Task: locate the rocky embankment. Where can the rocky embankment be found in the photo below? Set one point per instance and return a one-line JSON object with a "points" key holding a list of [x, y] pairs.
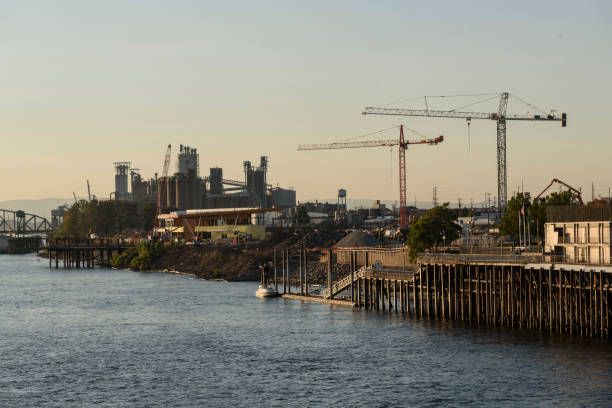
{"points": [[241, 262], [213, 262], [237, 264]]}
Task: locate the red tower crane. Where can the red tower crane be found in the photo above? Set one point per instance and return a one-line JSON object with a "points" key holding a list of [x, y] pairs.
{"points": [[403, 145]]}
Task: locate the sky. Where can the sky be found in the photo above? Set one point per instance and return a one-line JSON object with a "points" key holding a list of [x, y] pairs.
{"points": [[86, 84]]}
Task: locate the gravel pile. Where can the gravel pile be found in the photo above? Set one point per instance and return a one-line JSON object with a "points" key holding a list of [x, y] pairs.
{"points": [[319, 238], [358, 239]]}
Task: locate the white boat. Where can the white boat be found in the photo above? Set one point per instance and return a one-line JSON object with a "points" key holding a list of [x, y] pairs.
{"points": [[265, 291]]}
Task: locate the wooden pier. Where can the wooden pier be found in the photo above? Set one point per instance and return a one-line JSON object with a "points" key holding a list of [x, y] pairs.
{"points": [[566, 299], [84, 253]]}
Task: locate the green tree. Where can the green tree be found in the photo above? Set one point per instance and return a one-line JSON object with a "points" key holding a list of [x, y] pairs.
{"points": [[510, 220], [106, 218], [535, 212], [434, 228]]}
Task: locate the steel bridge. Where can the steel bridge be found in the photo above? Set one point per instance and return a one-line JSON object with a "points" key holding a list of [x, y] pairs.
{"points": [[20, 222]]}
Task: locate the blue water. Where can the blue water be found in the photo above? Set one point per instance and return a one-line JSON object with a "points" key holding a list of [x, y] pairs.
{"points": [[127, 339]]}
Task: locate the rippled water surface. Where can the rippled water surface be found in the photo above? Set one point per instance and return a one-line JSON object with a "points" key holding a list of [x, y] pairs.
{"points": [[126, 339]]}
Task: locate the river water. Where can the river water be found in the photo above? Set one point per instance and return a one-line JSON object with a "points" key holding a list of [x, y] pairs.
{"points": [[75, 338]]}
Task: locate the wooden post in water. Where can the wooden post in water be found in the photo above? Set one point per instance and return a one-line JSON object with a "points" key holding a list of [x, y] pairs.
{"points": [[428, 288], [358, 293], [435, 290], [384, 290], [478, 294], [284, 272], [502, 298], [329, 272], [550, 300], [601, 305], [376, 294], [570, 305], [448, 292], [521, 294], [372, 292], [275, 273], [494, 293], [301, 253], [366, 298], [306, 271], [395, 295], [352, 276], [421, 290], [540, 301], [560, 302], [288, 272], [442, 295], [470, 314], [591, 311], [461, 289], [488, 287], [456, 308]]}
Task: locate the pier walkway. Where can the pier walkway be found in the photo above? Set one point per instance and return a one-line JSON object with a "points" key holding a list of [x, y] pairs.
{"points": [[84, 253]]}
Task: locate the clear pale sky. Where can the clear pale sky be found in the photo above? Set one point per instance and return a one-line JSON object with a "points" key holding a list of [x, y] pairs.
{"points": [[84, 84]]}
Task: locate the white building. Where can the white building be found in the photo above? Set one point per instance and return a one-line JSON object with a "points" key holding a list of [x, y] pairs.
{"points": [[581, 241]]}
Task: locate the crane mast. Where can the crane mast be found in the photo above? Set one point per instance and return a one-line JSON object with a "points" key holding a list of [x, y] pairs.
{"points": [[500, 117], [161, 193], [403, 145]]}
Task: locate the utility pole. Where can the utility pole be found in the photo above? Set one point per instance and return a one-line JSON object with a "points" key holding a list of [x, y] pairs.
{"points": [[435, 196], [592, 191]]}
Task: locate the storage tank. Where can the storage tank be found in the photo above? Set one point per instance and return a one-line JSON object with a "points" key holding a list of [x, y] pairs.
{"points": [[121, 180], [216, 180]]}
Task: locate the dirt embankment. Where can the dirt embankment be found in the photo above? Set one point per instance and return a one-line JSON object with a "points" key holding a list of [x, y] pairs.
{"points": [[214, 262], [241, 263]]}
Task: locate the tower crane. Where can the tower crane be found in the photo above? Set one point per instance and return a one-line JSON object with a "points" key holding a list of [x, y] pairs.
{"points": [[500, 117], [403, 145], [161, 193]]}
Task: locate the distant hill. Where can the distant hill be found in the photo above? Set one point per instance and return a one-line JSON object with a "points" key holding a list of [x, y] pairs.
{"points": [[41, 207]]}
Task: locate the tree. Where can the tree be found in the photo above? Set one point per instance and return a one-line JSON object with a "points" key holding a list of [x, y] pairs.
{"points": [[535, 212], [435, 227], [510, 220], [107, 218]]}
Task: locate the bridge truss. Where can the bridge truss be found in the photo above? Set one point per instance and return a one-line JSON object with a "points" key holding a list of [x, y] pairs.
{"points": [[20, 222]]}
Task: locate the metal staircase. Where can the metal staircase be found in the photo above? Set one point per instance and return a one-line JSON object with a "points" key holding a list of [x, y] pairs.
{"points": [[345, 282]]}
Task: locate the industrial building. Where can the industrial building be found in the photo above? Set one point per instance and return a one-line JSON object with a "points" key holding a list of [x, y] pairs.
{"points": [[232, 224], [187, 190]]}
